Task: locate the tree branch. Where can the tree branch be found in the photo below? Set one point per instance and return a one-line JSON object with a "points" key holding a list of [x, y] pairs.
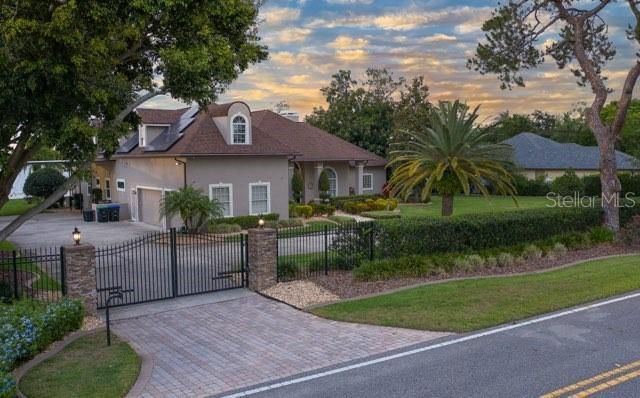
{"points": [[625, 98], [135, 104]]}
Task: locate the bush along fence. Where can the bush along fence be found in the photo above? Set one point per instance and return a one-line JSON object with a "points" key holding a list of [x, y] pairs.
{"points": [[32, 273], [343, 247]]}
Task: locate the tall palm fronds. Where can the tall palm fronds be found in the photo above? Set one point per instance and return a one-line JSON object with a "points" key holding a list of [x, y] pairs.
{"points": [[450, 157]]}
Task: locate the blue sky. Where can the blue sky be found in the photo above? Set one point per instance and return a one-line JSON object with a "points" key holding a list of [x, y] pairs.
{"points": [[311, 40]]}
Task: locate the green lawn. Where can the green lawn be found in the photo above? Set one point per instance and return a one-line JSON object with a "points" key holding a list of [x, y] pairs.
{"points": [[310, 228], [15, 207], [86, 368], [45, 282], [471, 205], [463, 306]]}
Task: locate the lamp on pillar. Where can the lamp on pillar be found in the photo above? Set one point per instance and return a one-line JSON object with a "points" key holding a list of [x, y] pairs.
{"points": [[261, 223], [76, 235]]}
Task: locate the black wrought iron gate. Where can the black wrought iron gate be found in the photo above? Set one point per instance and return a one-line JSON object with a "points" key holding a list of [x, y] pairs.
{"points": [[169, 264]]}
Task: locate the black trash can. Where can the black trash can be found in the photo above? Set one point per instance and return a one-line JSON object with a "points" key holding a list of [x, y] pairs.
{"points": [[103, 214], [114, 213], [89, 215]]}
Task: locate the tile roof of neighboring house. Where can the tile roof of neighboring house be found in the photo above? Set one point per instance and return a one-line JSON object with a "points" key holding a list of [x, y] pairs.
{"points": [[160, 116], [272, 135], [531, 151]]}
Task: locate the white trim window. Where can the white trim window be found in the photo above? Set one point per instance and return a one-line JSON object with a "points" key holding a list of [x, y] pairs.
{"points": [[121, 185], [367, 182], [223, 193], [259, 198], [333, 181], [239, 130], [107, 188]]}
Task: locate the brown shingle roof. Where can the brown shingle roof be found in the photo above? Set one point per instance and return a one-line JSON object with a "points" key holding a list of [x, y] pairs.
{"points": [[313, 143], [160, 116], [273, 135]]}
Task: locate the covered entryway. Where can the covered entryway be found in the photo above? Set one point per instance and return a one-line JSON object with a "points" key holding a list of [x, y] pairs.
{"points": [[149, 200]]}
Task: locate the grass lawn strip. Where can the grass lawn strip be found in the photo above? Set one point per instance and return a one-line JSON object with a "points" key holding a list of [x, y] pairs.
{"points": [[44, 281], [16, 207], [472, 205], [85, 368], [463, 306]]}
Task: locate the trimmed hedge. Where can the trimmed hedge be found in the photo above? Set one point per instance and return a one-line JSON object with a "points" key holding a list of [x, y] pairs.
{"points": [[247, 222], [339, 201], [476, 232]]}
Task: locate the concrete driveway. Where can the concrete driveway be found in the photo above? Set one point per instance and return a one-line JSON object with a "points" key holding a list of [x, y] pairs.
{"points": [[229, 340], [54, 229]]}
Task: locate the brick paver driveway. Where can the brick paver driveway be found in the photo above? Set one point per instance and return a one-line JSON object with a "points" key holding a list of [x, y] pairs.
{"points": [[213, 348]]}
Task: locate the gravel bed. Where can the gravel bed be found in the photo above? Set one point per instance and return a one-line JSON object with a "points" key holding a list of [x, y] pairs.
{"points": [[343, 285], [300, 294], [91, 323]]}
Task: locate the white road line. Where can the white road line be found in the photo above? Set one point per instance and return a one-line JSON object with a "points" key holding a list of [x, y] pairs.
{"points": [[427, 348]]}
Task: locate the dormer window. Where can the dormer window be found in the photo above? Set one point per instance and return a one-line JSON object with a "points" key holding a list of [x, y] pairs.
{"points": [[239, 130]]}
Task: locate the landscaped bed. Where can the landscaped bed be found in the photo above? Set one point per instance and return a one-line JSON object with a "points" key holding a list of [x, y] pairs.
{"points": [[15, 207], [461, 306], [85, 368]]}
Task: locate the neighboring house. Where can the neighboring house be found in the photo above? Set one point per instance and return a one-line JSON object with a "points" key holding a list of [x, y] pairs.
{"points": [[538, 156], [243, 159], [17, 190]]}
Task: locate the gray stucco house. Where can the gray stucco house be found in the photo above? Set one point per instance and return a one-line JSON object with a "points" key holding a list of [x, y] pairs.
{"points": [[245, 159], [537, 156]]}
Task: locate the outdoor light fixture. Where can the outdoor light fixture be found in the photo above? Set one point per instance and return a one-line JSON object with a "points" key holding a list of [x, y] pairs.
{"points": [[76, 235], [261, 223]]}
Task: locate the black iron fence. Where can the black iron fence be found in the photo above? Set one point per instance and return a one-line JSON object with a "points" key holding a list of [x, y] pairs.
{"points": [[317, 249], [169, 264], [32, 273]]}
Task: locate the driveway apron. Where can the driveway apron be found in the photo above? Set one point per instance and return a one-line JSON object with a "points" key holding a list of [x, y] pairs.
{"points": [[212, 348]]}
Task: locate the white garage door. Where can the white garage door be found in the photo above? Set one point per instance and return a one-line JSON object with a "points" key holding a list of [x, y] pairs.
{"points": [[149, 206]]}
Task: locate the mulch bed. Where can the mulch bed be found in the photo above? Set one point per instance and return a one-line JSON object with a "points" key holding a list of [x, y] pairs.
{"points": [[343, 285]]}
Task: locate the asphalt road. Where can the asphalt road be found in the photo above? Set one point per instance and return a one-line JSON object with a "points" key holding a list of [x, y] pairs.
{"points": [[531, 360]]}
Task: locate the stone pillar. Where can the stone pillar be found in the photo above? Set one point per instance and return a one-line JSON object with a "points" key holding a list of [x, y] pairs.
{"points": [[80, 275], [263, 258]]}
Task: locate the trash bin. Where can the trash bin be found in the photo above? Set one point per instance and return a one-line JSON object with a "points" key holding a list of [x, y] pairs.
{"points": [[89, 215], [114, 213], [103, 214]]}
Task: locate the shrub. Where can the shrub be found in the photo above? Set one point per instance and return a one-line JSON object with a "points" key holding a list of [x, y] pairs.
{"points": [[491, 262], [27, 328], [558, 250], [292, 222], [403, 267], [462, 264], [42, 183], [505, 259], [630, 184], [630, 234], [223, 228], [247, 222], [532, 252], [568, 184], [305, 211], [601, 235], [459, 234], [7, 386], [96, 194], [535, 187], [287, 268], [592, 185], [322, 209], [575, 240], [292, 210], [297, 186], [367, 205], [323, 185], [192, 205], [339, 201], [476, 261]]}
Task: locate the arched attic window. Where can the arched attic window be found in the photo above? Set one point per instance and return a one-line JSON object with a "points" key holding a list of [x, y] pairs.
{"points": [[239, 130]]}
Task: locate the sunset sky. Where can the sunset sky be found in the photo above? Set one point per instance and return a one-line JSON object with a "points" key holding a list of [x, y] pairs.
{"points": [[310, 40]]}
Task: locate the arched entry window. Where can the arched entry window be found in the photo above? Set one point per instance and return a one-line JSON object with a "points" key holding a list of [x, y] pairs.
{"points": [[333, 181], [239, 130]]}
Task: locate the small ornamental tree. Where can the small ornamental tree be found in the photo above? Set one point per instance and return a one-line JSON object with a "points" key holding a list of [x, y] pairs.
{"points": [[42, 183], [324, 186], [194, 207], [514, 35], [297, 186]]}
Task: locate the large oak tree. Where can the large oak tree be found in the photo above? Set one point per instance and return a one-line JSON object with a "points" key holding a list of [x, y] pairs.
{"points": [[73, 70], [513, 34]]}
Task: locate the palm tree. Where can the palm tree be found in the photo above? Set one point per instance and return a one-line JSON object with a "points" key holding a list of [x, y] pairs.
{"points": [[193, 206], [450, 157]]}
